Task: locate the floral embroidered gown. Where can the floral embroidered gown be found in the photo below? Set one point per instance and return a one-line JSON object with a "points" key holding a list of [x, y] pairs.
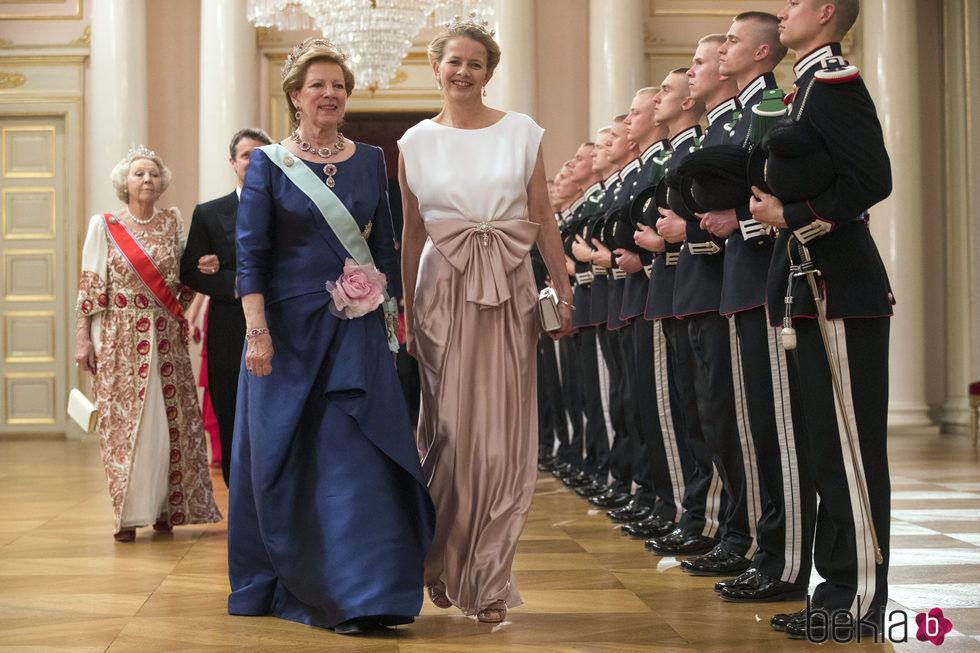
{"points": [[150, 428]]}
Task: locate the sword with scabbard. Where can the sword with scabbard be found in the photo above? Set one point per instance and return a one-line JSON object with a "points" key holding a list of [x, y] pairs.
{"points": [[806, 268]]}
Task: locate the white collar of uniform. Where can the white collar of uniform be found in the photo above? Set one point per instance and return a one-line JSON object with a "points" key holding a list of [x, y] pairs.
{"points": [[593, 189], [686, 135], [656, 148], [763, 81], [813, 58], [577, 203], [566, 215], [728, 105], [610, 179], [630, 167]]}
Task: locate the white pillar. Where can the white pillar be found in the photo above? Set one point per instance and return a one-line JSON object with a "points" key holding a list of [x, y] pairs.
{"points": [[514, 85], [891, 72], [962, 145], [117, 107], [229, 90], [617, 61]]}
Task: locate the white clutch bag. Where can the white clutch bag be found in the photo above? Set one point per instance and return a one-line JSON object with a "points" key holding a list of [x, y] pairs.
{"points": [[82, 411], [548, 309]]}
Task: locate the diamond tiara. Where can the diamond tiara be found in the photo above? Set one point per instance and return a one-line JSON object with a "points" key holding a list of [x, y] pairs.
{"points": [[471, 21], [306, 46], [140, 152]]}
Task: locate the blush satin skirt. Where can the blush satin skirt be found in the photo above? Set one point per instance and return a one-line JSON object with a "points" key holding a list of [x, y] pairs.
{"points": [[476, 328]]}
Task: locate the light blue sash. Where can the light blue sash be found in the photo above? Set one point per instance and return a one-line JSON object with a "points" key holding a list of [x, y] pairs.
{"points": [[339, 220]]}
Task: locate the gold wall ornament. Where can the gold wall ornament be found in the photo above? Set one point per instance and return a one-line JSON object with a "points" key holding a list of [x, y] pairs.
{"points": [[69, 10], [12, 80], [6, 43], [85, 39], [399, 77]]}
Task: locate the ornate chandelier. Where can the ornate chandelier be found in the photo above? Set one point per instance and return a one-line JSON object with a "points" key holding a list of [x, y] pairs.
{"points": [[375, 34]]}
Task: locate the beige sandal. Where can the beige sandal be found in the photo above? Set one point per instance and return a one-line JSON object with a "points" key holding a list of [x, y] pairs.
{"points": [[493, 613], [439, 598]]}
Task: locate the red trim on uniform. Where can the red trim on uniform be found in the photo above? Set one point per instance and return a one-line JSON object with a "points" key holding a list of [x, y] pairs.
{"points": [[742, 310], [840, 80], [818, 216]]}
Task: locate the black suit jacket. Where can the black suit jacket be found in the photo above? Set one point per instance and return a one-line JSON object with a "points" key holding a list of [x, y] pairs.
{"points": [[212, 232]]}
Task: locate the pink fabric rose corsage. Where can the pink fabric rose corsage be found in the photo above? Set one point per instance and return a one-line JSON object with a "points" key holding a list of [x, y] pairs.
{"points": [[358, 291]]}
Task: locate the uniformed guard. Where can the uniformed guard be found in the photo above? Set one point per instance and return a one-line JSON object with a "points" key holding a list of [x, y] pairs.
{"points": [[623, 455], [697, 293], [827, 231], [557, 388], [590, 323], [697, 530], [784, 533], [659, 473], [607, 162]]}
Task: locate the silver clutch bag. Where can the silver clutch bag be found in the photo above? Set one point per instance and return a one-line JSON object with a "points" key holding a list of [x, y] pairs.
{"points": [[548, 310], [82, 411]]}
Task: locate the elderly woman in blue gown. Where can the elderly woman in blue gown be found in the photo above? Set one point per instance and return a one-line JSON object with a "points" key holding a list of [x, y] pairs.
{"points": [[329, 517]]}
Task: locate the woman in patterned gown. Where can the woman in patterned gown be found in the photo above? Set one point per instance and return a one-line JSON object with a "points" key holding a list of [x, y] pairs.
{"points": [[475, 202], [131, 335]]}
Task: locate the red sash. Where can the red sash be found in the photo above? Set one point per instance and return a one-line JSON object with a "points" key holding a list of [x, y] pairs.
{"points": [[142, 265]]}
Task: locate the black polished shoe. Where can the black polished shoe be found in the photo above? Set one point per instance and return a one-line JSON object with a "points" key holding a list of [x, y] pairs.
{"points": [[763, 589], [632, 511], [547, 464], [779, 621], [563, 469], [679, 542], [595, 488], [577, 479], [650, 527], [611, 499], [741, 579], [720, 561]]}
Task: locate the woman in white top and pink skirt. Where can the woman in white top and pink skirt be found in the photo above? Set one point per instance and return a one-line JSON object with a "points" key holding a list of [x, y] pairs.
{"points": [[475, 202]]}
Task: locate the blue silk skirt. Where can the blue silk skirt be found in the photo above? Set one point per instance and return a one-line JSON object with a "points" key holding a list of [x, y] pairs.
{"points": [[329, 517]]}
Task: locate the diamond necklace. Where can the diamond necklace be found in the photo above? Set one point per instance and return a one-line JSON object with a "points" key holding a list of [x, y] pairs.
{"points": [[323, 152]]}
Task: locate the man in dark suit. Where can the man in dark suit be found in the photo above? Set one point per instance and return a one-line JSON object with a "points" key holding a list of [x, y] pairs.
{"points": [[209, 267]]}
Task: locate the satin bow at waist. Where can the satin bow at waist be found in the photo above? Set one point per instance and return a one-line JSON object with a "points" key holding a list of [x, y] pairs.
{"points": [[485, 253]]}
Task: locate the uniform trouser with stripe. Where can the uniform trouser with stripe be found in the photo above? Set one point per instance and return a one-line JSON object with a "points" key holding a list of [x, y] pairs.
{"points": [[609, 395], [552, 425], [662, 445], [703, 501], [591, 377], [620, 405], [571, 451], [763, 376], [639, 468], [711, 345], [843, 552]]}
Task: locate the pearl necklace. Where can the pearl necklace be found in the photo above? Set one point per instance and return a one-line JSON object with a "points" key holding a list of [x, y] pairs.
{"points": [[132, 216], [323, 152]]}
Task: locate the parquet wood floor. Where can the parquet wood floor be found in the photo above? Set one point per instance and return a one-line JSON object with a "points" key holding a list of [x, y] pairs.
{"points": [[65, 585]]}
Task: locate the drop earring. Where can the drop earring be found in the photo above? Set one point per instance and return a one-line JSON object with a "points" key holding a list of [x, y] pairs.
{"points": [[484, 90], [296, 115]]}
